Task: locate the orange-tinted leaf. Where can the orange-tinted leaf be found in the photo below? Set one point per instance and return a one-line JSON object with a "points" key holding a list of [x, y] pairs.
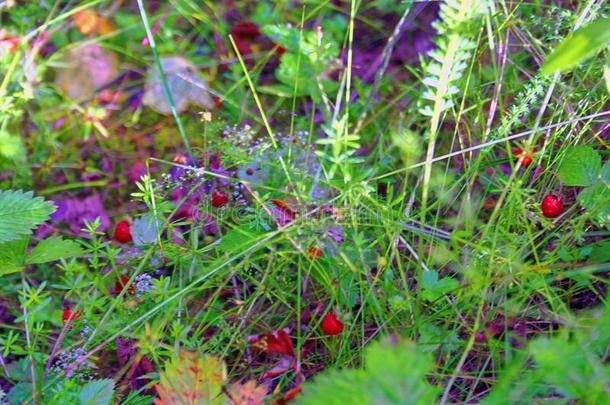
{"points": [[88, 21], [85, 21], [192, 379], [104, 26], [248, 393]]}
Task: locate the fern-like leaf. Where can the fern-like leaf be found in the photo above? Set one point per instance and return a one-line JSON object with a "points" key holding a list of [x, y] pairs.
{"points": [[449, 60], [20, 213], [455, 28]]}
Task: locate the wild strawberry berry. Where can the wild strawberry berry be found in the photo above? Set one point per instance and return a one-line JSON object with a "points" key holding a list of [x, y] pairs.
{"points": [[331, 325], [279, 50], [68, 315], [120, 284], [219, 198], [526, 158], [122, 232], [314, 252], [551, 206]]}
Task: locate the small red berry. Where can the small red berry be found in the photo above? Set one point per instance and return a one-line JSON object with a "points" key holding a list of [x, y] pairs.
{"points": [[279, 50], [314, 252], [122, 232], [331, 325], [551, 206], [219, 198], [526, 158], [120, 284], [68, 316]]}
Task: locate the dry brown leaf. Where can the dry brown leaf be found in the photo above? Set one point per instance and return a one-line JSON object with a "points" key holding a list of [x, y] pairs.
{"points": [[248, 393], [85, 21], [87, 68], [184, 82], [89, 21]]}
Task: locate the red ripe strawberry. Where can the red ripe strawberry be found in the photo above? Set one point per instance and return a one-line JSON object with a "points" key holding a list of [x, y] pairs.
{"points": [[314, 252], [526, 158], [219, 198], [68, 316], [551, 206], [122, 232], [120, 284], [331, 325], [279, 50], [246, 35]]}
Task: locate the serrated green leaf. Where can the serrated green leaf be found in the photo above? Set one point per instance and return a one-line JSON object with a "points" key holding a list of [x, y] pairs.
{"points": [[433, 288], [20, 213], [596, 200], [12, 254], [394, 373], [600, 253], [98, 392], [578, 46], [393, 383], [337, 387], [604, 173], [584, 379], [52, 249], [580, 166]]}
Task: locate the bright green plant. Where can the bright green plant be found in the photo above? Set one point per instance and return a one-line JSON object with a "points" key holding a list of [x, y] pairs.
{"points": [[582, 166]]}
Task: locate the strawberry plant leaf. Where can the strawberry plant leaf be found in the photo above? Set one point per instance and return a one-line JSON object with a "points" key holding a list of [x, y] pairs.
{"points": [[12, 254], [98, 392], [580, 166], [433, 287], [337, 387], [600, 252], [604, 173], [52, 249], [20, 213], [584, 379], [578, 46], [303, 63], [384, 380], [393, 383], [596, 200]]}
